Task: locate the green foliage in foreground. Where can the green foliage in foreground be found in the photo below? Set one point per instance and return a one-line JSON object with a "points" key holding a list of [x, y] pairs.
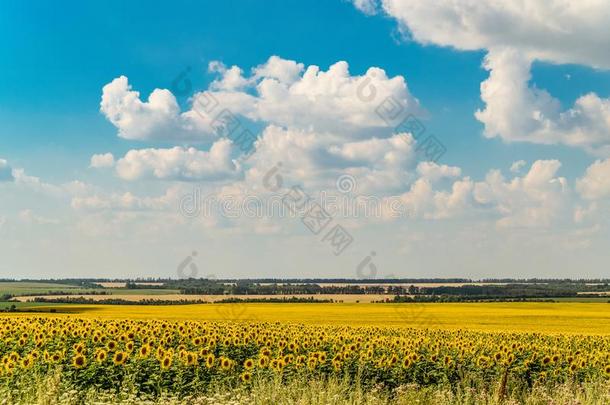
{"points": [[52, 389]]}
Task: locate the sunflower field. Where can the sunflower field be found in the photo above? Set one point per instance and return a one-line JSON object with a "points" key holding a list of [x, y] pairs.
{"points": [[158, 357]]}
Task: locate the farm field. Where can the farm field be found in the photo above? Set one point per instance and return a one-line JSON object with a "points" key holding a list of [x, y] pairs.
{"points": [[25, 287], [121, 284], [542, 317], [32, 289], [137, 295], [443, 284], [5, 305], [582, 299], [312, 353]]}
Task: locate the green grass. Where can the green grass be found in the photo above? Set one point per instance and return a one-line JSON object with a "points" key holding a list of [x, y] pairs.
{"points": [[21, 287], [53, 389], [34, 284], [582, 299], [33, 306], [21, 305]]}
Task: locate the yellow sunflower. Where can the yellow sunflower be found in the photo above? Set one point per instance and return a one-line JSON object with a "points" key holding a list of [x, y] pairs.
{"points": [[79, 361], [166, 362], [101, 355], [246, 377], [209, 361], [119, 358], [144, 351]]}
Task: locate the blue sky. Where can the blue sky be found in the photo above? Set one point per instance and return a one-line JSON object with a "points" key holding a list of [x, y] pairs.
{"points": [[57, 60], [55, 64]]}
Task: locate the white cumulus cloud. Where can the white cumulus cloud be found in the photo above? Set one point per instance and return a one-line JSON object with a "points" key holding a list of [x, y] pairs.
{"points": [[595, 184], [280, 92], [515, 111], [102, 160], [287, 94], [558, 31], [515, 34], [517, 166], [316, 160], [179, 163], [368, 7], [538, 198], [158, 118], [434, 171]]}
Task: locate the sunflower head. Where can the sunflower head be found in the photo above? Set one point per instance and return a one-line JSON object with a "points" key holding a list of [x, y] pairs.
{"points": [[101, 355], [166, 362], [79, 361], [119, 358], [191, 359], [312, 362], [483, 361], [26, 362], [225, 364], [209, 361]]}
